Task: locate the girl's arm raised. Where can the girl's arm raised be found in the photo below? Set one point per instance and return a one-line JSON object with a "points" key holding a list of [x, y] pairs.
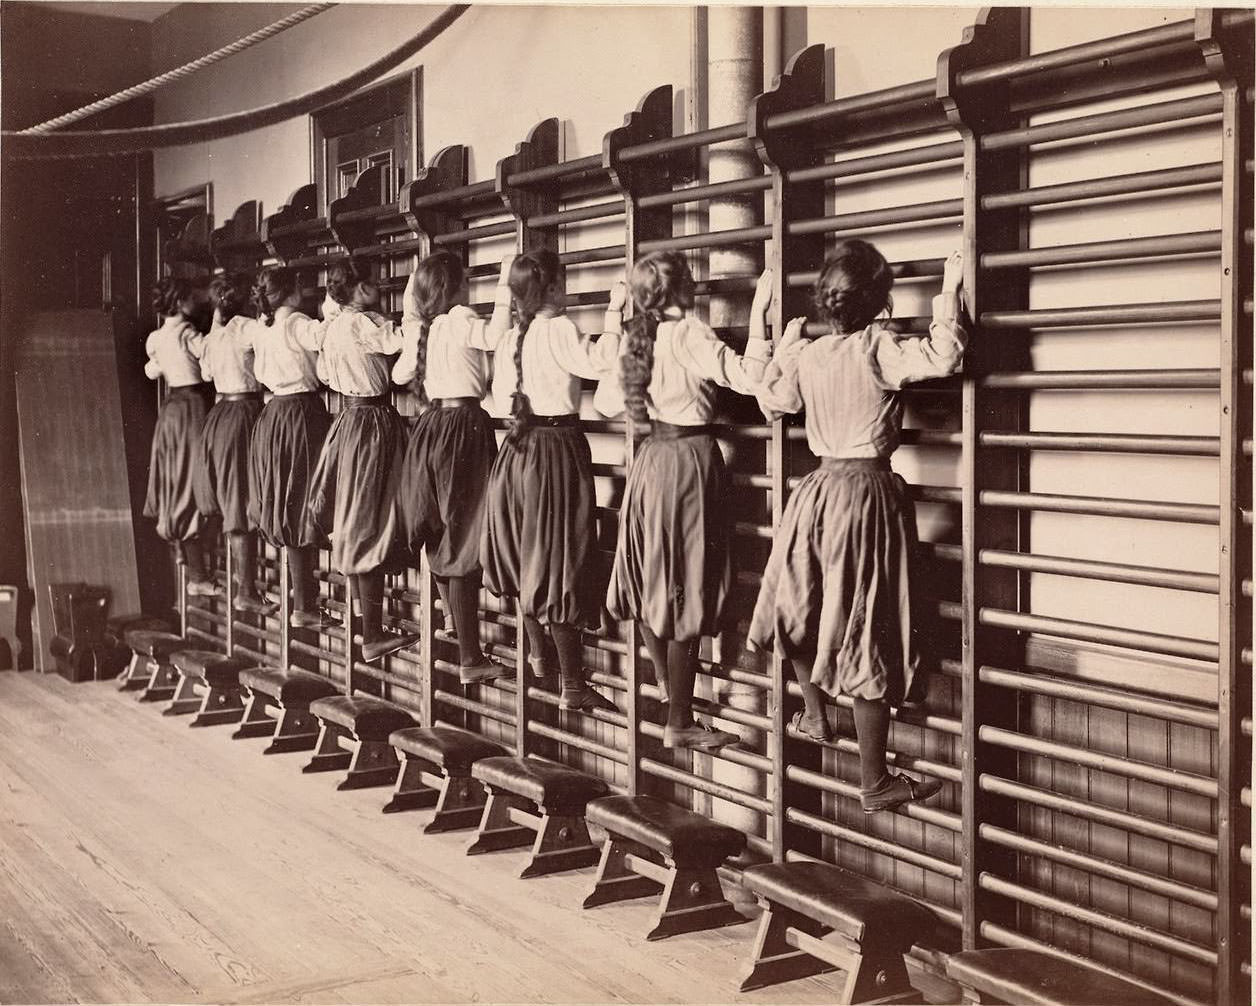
{"points": [[152, 370], [779, 393], [488, 336], [903, 360], [700, 351]]}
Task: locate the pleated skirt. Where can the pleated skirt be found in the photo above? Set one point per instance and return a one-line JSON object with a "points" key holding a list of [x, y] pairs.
{"points": [[353, 491], [443, 486], [538, 543], [173, 462], [672, 567], [839, 582], [222, 479], [287, 440]]}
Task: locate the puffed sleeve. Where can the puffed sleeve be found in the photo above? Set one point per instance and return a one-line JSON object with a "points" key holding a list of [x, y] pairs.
{"points": [[486, 335], [779, 393], [608, 399], [242, 332], [900, 360], [310, 334], [411, 330], [207, 357], [152, 370], [192, 341], [700, 351], [377, 335], [581, 355]]}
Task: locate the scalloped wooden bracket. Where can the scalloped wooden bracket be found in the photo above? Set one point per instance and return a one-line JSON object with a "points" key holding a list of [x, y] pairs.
{"points": [[992, 38], [448, 170], [801, 85], [302, 206], [1228, 54], [651, 120], [236, 245], [540, 149], [368, 191]]}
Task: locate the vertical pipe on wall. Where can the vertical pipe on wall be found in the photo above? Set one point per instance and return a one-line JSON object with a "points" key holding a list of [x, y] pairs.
{"points": [[734, 79]]}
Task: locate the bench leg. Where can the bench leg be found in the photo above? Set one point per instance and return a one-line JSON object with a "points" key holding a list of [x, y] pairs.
{"points": [[775, 960], [184, 700], [460, 805], [615, 881], [135, 675], [411, 792], [328, 756], [878, 975], [255, 722], [693, 900], [297, 730], [374, 763], [220, 705], [562, 843], [497, 830], [161, 683], [970, 996]]}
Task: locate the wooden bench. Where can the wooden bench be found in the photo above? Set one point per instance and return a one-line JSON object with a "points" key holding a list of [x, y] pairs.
{"points": [[1037, 978], [353, 735], [436, 771], [277, 705], [536, 802], [209, 685], [817, 918], [653, 846], [150, 669], [114, 654]]}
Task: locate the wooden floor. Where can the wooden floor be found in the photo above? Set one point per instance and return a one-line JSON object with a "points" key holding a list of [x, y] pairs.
{"points": [[143, 861]]}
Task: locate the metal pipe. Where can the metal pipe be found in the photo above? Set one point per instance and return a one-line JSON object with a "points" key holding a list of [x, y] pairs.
{"points": [[1115, 185], [551, 172], [901, 853], [1104, 122], [1100, 506], [847, 746], [1145, 576], [1045, 380], [471, 706], [873, 101], [1124, 443], [733, 755], [920, 812], [1152, 882], [474, 234], [707, 786], [853, 166], [598, 211], [865, 219], [1099, 920], [712, 239], [1114, 314], [687, 141], [698, 193], [1160, 246], [577, 742], [1152, 642], [1104, 815]]}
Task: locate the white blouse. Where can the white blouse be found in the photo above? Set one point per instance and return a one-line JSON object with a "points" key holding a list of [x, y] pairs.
{"points": [[280, 360], [174, 352], [689, 361], [353, 347], [228, 357], [849, 383], [457, 348], [555, 357]]}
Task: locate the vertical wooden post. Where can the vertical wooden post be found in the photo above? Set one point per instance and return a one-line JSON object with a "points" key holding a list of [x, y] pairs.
{"points": [[228, 596], [652, 120], [448, 170], [801, 85], [1228, 58], [285, 610], [538, 150], [998, 34]]}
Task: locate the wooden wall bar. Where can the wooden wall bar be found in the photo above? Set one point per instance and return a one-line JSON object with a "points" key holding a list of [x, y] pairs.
{"points": [[1100, 815]]}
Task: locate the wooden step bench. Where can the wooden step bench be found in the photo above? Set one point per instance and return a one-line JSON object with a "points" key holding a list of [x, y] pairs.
{"points": [[209, 685], [150, 669], [353, 735], [536, 802], [114, 654], [1037, 978], [436, 772], [652, 847], [818, 918], [277, 705]]}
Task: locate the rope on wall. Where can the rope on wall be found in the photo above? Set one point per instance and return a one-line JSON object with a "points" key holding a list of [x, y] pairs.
{"points": [[179, 72], [130, 141]]}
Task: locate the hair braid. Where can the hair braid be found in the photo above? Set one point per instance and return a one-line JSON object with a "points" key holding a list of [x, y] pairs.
{"points": [[531, 275], [437, 280], [659, 280]]}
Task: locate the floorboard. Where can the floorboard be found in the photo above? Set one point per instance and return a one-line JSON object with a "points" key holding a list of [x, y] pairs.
{"points": [[142, 861]]}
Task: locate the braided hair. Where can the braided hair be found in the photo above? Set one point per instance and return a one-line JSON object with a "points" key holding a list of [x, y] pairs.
{"points": [[169, 294], [275, 285], [853, 287], [231, 295], [658, 281], [531, 275], [345, 277], [437, 280]]}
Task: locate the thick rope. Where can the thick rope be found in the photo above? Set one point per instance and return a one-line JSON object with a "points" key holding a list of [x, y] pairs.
{"points": [[130, 141], [179, 72]]}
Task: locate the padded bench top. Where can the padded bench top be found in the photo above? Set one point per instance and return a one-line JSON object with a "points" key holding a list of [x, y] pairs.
{"points": [[369, 718], [858, 908], [291, 687], [547, 785], [210, 665], [119, 625], [154, 643], [1040, 979], [446, 747], [663, 827]]}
